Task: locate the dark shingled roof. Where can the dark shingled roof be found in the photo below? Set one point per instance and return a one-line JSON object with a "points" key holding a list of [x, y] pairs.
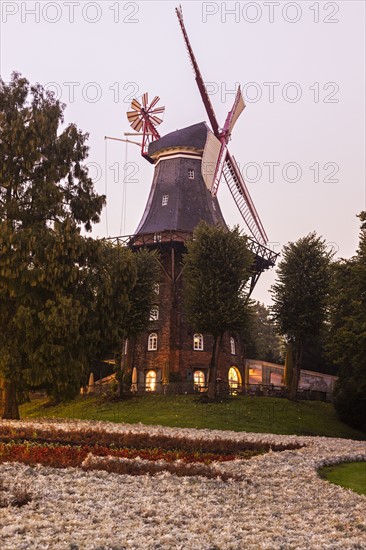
{"points": [[188, 200], [193, 137]]}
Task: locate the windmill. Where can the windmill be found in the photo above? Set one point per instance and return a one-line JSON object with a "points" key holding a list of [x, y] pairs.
{"points": [[143, 117], [189, 165]]}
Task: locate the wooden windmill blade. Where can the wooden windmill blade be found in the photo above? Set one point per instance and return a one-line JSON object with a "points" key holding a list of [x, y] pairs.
{"points": [[200, 83], [233, 115], [243, 200]]}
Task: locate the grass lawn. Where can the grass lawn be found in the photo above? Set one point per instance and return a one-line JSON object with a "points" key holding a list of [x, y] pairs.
{"points": [[351, 475], [255, 414]]}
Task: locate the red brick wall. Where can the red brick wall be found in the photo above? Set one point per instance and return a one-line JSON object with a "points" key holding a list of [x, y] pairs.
{"points": [[175, 336]]}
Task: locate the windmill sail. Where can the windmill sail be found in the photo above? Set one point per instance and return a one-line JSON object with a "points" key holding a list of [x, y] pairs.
{"points": [[200, 83], [243, 200], [233, 115]]}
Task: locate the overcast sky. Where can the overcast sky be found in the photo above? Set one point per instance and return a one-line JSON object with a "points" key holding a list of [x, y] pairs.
{"points": [[300, 142]]}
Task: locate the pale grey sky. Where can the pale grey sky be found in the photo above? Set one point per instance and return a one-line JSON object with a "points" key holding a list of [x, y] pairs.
{"points": [[300, 142]]}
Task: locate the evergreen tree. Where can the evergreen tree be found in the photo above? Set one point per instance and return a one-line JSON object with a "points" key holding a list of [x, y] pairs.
{"points": [[216, 270], [347, 335], [301, 296], [46, 196]]}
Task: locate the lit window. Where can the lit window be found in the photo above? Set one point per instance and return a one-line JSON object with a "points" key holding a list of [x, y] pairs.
{"points": [[191, 174], [125, 346], [156, 288], [165, 199], [154, 313], [199, 380], [214, 206], [157, 237], [232, 346], [234, 379], [198, 342], [152, 344], [150, 380]]}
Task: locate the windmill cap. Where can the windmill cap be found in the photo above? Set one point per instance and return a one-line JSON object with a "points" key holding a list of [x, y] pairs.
{"points": [[192, 137]]}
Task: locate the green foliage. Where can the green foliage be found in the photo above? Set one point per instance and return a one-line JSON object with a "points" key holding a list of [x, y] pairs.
{"points": [[45, 196], [301, 292], [216, 270], [142, 296], [301, 295], [261, 338], [347, 334]]}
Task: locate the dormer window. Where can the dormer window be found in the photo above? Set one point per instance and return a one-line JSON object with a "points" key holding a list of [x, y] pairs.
{"points": [[154, 313], [191, 174], [165, 199]]}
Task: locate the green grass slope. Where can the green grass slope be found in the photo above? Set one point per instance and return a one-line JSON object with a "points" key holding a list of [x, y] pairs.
{"points": [[257, 414], [351, 475]]}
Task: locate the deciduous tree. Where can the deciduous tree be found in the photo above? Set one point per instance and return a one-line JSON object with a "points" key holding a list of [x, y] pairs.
{"points": [[301, 296], [216, 270]]}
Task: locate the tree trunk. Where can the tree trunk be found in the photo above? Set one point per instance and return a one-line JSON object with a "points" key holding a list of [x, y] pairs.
{"points": [[9, 405], [296, 372], [212, 387]]}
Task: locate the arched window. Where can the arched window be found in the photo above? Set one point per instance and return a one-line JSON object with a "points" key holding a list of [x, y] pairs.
{"points": [[154, 313], [125, 346], [232, 346], [234, 378], [150, 380], [152, 344], [199, 380], [198, 342]]}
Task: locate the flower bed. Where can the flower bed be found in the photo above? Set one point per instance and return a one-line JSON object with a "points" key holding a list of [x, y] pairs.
{"points": [[273, 501]]}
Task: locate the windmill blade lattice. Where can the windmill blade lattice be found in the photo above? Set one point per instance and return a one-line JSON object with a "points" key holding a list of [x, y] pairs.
{"points": [[243, 200]]}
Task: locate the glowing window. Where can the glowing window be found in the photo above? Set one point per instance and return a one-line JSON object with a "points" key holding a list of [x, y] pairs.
{"points": [[191, 174], [232, 346], [165, 199], [150, 380], [156, 288], [199, 379], [157, 237], [152, 344], [234, 378], [198, 342], [154, 313]]}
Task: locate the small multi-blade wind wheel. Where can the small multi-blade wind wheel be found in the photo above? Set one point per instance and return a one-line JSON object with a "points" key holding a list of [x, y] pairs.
{"points": [[143, 117], [226, 165]]}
